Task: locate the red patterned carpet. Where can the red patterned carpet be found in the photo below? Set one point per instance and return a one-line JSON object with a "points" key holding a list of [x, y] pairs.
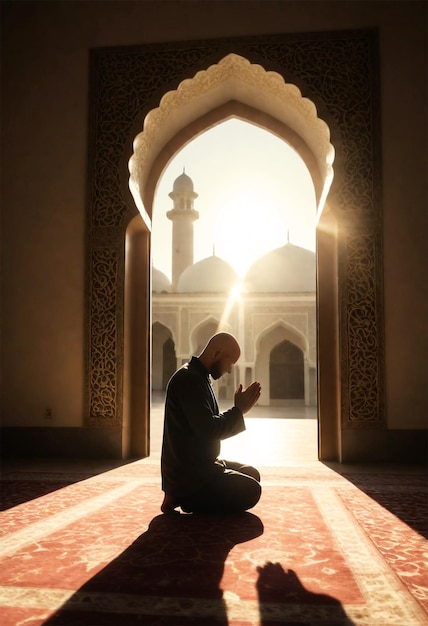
{"points": [[319, 549]]}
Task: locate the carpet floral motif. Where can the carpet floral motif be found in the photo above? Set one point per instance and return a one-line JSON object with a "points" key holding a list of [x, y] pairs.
{"points": [[318, 549]]}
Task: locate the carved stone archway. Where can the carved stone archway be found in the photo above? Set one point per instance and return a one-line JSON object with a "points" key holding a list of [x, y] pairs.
{"points": [[232, 87], [337, 75]]}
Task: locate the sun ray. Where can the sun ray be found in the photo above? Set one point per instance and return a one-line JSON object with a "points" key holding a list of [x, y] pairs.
{"points": [[232, 300]]}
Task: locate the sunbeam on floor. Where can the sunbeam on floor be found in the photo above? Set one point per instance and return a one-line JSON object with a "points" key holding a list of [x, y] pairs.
{"points": [[274, 436]]}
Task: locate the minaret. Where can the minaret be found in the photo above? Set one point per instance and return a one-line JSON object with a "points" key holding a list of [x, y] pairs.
{"points": [[182, 216]]}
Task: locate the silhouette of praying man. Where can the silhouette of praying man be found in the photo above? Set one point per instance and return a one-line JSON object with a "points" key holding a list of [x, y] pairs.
{"points": [[193, 477]]}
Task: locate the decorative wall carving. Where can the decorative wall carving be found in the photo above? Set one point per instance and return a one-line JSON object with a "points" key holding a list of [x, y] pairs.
{"points": [[338, 72], [363, 364], [104, 373]]}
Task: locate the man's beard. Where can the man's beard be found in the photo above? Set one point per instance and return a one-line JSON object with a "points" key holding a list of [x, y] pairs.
{"points": [[215, 370]]}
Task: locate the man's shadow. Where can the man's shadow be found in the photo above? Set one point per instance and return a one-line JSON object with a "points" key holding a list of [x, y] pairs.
{"points": [[177, 563], [283, 599]]}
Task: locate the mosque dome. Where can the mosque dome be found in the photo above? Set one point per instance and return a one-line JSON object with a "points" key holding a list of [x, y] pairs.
{"points": [[183, 184], [160, 282], [286, 269], [213, 275]]}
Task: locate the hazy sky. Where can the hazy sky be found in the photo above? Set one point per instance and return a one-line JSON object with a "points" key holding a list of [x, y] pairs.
{"points": [[253, 190]]}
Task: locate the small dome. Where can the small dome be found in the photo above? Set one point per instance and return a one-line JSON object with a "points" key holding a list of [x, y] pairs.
{"points": [[213, 275], [183, 184], [286, 269], [160, 282]]}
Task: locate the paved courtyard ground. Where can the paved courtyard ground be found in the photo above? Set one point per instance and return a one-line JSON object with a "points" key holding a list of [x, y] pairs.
{"points": [[275, 436]]}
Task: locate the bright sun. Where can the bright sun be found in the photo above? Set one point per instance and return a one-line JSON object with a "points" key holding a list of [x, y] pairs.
{"points": [[254, 194], [248, 225]]}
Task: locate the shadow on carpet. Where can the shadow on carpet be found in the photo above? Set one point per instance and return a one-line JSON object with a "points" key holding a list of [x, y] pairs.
{"points": [[171, 575]]}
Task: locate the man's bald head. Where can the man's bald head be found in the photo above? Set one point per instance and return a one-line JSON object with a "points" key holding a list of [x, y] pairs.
{"points": [[222, 341], [221, 352]]}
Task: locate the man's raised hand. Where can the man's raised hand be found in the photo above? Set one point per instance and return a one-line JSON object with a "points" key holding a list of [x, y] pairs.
{"points": [[245, 399]]}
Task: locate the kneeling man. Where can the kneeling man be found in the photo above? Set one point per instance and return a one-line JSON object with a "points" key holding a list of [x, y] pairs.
{"points": [[193, 477]]}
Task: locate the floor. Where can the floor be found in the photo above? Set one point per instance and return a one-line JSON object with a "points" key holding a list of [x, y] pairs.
{"points": [[275, 436], [337, 544]]}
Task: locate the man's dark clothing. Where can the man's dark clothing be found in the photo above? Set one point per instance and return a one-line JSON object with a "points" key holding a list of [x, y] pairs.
{"points": [[233, 491], [193, 430]]}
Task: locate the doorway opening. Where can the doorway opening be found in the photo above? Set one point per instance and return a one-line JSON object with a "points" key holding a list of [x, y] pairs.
{"points": [[249, 200], [287, 381], [153, 151]]}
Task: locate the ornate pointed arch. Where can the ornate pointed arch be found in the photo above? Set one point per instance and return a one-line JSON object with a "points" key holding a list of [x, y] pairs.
{"points": [[233, 87]]}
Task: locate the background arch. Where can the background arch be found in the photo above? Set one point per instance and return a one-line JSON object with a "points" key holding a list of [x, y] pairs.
{"points": [[269, 340], [163, 353], [200, 335]]}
